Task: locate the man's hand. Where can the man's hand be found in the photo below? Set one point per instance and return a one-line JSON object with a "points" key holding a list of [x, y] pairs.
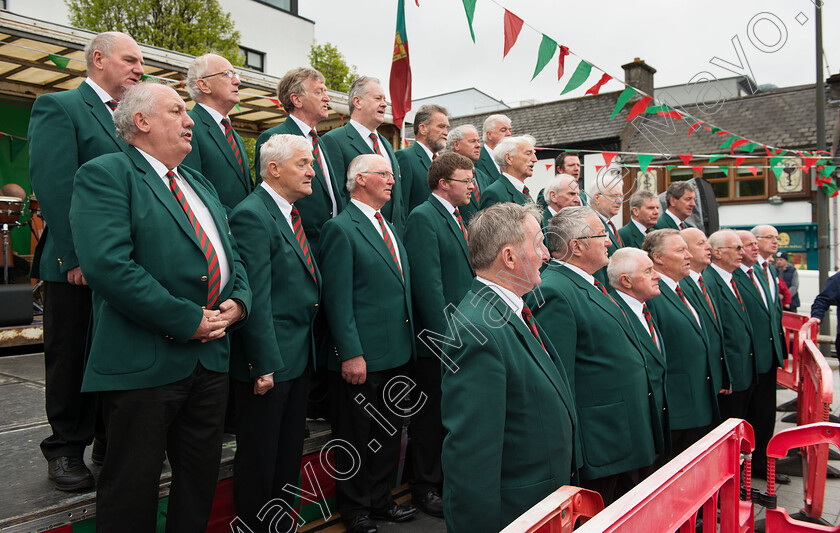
{"points": [[811, 321], [354, 371], [726, 392], [210, 328], [231, 311], [263, 384], [75, 277]]}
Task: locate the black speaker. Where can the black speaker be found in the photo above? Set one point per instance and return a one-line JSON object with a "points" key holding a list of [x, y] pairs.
{"points": [[15, 305]]}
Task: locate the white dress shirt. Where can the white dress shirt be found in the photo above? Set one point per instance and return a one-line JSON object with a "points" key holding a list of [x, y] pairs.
{"points": [[217, 117], [673, 286], [100, 92], [636, 306], [726, 277], [746, 270], [369, 212], [769, 277], [307, 132], [511, 299]]}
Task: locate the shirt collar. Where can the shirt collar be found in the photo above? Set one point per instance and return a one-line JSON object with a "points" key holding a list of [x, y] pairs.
{"points": [[159, 168], [363, 131], [676, 220], [305, 128], [639, 225], [585, 275], [283, 204], [426, 149], [519, 185], [746, 268], [726, 276], [551, 211], [694, 275], [513, 301], [100, 92], [449, 207], [634, 304], [365, 208], [669, 282], [217, 117]]}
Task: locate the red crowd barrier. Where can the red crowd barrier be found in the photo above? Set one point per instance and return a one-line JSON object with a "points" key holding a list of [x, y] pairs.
{"points": [[705, 476], [795, 335]]}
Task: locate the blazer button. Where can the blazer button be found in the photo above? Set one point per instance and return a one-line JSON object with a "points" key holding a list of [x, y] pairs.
{"points": [[406, 321], [203, 278], [59, 262], [250, 366], [649, 395], [708, 378], [316, 305], [664, 409], [331, 213]]}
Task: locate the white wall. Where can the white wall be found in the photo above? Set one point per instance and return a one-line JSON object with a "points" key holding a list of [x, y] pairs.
{"points": [[49, 10], [790, 212]]}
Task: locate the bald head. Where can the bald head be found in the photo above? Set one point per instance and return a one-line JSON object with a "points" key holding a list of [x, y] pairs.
{"points": [[749, 255], [562, 191], [698, 247]]}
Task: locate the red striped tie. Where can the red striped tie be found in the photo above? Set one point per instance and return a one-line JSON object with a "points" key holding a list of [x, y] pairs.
{"points": [[737, 293], [532, 324], [112, 104], [375, 139], [387, 237], [603, 289], [476, 191], [297, 227], [215, 278], [233, 146], [706, 294], [617, 237], [646, 314], [525, 191], [316, 151], [682, 225], [752, 278], [461, 223]]}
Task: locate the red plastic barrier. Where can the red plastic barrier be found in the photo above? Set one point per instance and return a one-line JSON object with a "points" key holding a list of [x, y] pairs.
{"points": [[795, 336], [558, 512], [815, 437], [705, 476]]}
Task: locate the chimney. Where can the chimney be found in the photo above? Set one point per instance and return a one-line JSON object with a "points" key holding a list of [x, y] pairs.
{"points": [[639, 75]]}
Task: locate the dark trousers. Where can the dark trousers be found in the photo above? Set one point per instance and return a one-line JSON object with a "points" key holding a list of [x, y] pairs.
{"points": [[71, 413], [183, 420], [269, 447], [735, 405], [761, 414], [615, 486], [683, 439], [426, 429], [375, 443]]}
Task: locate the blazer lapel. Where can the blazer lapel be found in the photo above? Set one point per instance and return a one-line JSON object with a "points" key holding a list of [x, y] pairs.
{"points": [[218, 215], [99, 111], [748, 290], [285, 229], [678, 304], [374, 237], [728, 296], [218, 137], [453, 225], [356, 140], [641, 333]]}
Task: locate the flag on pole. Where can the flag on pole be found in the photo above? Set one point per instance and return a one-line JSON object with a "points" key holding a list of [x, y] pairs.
{"points": [[400, 83]]}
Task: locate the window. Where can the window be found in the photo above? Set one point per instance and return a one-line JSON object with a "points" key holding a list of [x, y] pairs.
{"points": [[286, 5], [736, 183], [749, 186], [253, 59]]}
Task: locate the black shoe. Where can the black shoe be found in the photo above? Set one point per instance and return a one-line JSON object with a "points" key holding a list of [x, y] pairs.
{"points": [[430, 503], [69, 473], [361, 524], [97, 452], [395, 513], [782, 479]]}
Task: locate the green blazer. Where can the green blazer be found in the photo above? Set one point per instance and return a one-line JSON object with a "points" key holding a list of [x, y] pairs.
{"points": [[601, 274], [609, 375], [766, 340], [316, 208], [441, 271], [666, 222], [737, 330], [692, 396], [713, 330], [141, 257], [482, 182], [631, 236], [286, 301], [503, 191], [485, 164], [213, 158], [414, 169], [66, 130], [343, 145], [366, 300], [508, 415]]}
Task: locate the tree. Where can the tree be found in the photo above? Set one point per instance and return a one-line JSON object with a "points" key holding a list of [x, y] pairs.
{"points": [[193, 27], [331, 63]]}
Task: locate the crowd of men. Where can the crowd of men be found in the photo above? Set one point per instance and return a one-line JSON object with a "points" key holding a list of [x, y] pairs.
{"points": [[541, 347]]}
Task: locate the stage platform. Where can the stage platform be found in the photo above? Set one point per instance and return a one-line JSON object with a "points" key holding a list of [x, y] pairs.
{"points": [[25, 335]]}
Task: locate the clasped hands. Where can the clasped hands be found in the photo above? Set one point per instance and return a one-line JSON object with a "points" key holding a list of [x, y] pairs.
{"points": [[215, 321]]}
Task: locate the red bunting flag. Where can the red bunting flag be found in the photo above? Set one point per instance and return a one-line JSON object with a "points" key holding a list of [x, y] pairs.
{"points": [[753, 170], [699, 170], [548, 166], [686, 158], [694, 127], [513, 25], [809, 161], [561, 65], [598, 168], [608, 156], [721, 132], [736, 144], [739, 160], [276, 102], [597, 87], [639, 107]]}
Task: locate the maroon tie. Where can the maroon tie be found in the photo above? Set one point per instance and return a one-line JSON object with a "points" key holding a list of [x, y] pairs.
{"points": [[532, 324], [706, 295], [297, 227], [476, 191], [617, 238], [231, 139], [525, 190], [316, 151], [215, 278], [646, 314], [752, 278], [461, 223], [737, 293], [603, 289], [682, 225], [387, 237], [375, 139], [112, 104]]}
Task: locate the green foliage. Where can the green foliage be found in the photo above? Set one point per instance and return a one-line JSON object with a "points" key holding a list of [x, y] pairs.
{"points": [[193, 27], [331, 63], [250, 150]]}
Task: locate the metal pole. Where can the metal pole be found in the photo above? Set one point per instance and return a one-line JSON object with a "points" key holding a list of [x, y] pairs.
{"points": [[822, 200]]}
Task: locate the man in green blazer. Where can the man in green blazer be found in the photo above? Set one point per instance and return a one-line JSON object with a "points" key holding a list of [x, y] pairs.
{"points": [[501, 455], [436, 241], [464, 140], [727, 295], [606, 193], [430, 128], [768, 244], [644, 212], [359, 136], [218, 152], [766, 322], [680, 199], [495, 128], [270, 353], [516, 157], [303, 93], [67, 129], [613, 382], [367, 300], [153, 241], [690, 389], [569, 163]]}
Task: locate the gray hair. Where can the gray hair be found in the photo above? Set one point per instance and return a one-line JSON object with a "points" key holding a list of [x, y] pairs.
{"points": [[425, 113], [623, 261], [570, 223], [758, 230], [654, 242], [605, 181], [559, 182], [508, 146], [358, 165], [490, 123], [292, 83], [280, 148], [677, 189], [495, 227], [718, 239], [198, 68], [456, 134], [640, 198], [139, 98], [104, 42], [359, 88]]}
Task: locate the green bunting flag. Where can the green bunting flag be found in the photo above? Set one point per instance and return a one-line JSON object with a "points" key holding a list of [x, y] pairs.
{"points": [[828, 170], [548, 47], [580, 75], [714, 129], [724, 169], [716, 157], [729, 141], [17, 145], [830, 189], [60, 62], [469, 7], [749, 147], [237, 108], [644, 161], [623, 98]]}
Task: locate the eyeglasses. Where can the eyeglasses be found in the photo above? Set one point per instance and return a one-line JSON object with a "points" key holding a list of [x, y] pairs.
{"points": [[229, 73], [602, 236], [737, 248], [382, 174], [469, 181], [774, 238]]}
